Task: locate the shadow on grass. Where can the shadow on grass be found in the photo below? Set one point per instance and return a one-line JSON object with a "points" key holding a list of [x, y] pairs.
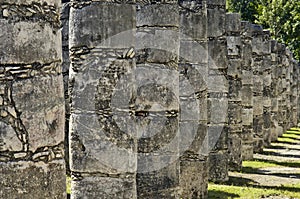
{"points": [[288, 147], [238, 181], [245, 182], [221, 194], [280, 154], [285, 164], [286, 142], [276, 147]]}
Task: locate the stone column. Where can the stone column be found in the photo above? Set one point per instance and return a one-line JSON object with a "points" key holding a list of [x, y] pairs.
{"points": [[298, 90], [157, 101], [217, 91], [103, 130], [257, 49], [193, 63], [234, 76], [283, 90], [31, 101], [288, 68], [275, 69], [246, 91], [267, 79], [294, 91]]}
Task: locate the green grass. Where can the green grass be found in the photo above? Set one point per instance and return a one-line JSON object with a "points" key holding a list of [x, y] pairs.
{"points": [[68, 185], [293, 132], [286, 140], [248, 189], [295, 129], [291, 136], [258, 164], [217, 191]]}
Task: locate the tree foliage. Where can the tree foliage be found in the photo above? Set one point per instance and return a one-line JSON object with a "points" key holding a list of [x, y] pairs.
{"points": [[282, 17], [247, 8]]}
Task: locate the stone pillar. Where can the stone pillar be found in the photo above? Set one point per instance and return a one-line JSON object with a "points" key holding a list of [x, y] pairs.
{"points": [[217, 91], [267, 79], [234, 76], [298, 89], [257, 49], [275, 69], [157, 103], [246, 91], [103, 130], [294, 91], [288, 69], [282, 91], [193, 64], [31, 101]]}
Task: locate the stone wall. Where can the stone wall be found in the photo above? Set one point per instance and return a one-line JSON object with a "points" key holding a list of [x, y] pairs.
{"points": [[147, 99]]}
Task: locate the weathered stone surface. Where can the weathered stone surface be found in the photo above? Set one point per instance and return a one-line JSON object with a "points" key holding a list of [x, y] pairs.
{"points": [[158, 15], [247, 152], [18, 47], [234, 68], [233, 45], [197, 21], [31, 103], [88, 26], [217, 110], [233, 22], [94, 186], [218, 169], [217, 52], [217, 137], [161, 183], [235, 151], [193, 51], [40, 100], [28, 180], [247, 116], [194, 178], [155, 45], [216, 18]]}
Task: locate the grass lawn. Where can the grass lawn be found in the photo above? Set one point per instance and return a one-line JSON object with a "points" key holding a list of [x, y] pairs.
{"points": [[239, 188], [216, 191]]}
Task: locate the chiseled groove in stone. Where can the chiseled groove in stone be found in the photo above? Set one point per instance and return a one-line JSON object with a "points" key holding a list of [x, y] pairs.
{"points": [[77, 176], [77, 4], [169, 27], [16, 72], [31, 12], [82, 4], [45, 154]]}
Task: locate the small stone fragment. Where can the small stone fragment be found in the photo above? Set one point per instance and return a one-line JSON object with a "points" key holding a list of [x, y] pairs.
{"points": [[3, 113], [20, 155], [5, 13]]}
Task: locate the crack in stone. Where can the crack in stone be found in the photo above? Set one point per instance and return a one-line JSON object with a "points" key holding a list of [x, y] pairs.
{"points": [[11, 116]]}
